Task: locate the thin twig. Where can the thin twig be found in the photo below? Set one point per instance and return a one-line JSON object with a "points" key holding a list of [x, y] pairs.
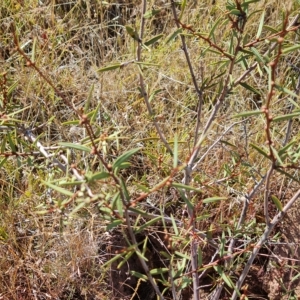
{"points": [[215, 143], [262, 240], [146, 99], [267, 194], [188, 169], [30, 136], [271, 49], [142, 84], [191, 70], [142, 261]]}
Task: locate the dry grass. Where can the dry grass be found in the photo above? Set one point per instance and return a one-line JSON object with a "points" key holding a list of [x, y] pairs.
{"points": [[53, 250]]}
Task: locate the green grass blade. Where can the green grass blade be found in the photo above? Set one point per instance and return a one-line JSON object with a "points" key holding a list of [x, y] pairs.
{"points": [[248, 114], [261, 24], [75, 146], [213, 199], [124, 157], [153, 40], [173, 35], [286, 117], [260, 150], [58, 189], [109, 68], [88, 100], [277, 202]]}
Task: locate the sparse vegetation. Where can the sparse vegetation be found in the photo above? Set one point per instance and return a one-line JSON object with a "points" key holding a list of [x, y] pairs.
{"points": [[149, 150]]}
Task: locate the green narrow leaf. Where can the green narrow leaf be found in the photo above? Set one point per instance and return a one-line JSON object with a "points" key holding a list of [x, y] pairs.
{"points": [[12, 87], [114, 200], [277, 202], [113, 224], [151, 13], [248, 113], [213, 199], [70, 183], [260, 59], [95, 113], [214, 27], [261, 151], [108, 263], [125, 259], [229, 55], [200, 260], [11, 143], [153, 40], [125, 190], [226, 279], [203, 217], [286, 117], [142, 187], [138, 211], [88, 100], [142, 63], [106, 211], [138, 253], [288, 175], [273, 30], [166, 255], [139, 275], [183, 6], [247, 2], [185, 187], [290, 49], [124, 165], [286, 147], [285, 90], [186, 200], [243, 62], [181, 266], [248, 52], [235, 12], [250, 88], [182, 255], [73, 122], [37, 139], [98, 176], [231, 46], [261, 24], [159, 271], [3, 161], [218, 53], [109, 68], [75, 146], [154, 94], [148, 224], [58, 189], [295, 278], [124, 157], [133, 33], [277, 155], [228, 144], [145, 245], [259, 70], [173, 35], [77, 208]]}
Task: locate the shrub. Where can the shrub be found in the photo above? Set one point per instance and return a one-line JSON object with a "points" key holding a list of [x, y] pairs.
{"points": [[147, 151]]}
